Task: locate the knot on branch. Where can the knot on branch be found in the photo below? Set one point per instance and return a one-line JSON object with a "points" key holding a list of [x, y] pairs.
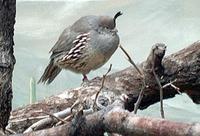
{"points": [[154, 60]]}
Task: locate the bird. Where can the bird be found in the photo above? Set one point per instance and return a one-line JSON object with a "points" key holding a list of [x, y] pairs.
{"points": [[84, 46]]}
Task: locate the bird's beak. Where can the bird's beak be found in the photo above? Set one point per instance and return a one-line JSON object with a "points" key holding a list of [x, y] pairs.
{"points": [[115, 30]]}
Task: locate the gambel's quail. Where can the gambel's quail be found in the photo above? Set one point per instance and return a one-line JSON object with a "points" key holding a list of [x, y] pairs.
{"points": [[84, 46]]}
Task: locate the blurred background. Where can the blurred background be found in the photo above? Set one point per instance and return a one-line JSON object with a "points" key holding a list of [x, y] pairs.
{"points": [[39, 24]]}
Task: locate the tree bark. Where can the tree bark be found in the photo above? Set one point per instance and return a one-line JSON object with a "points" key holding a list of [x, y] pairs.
{"points": [[7, 59], [183, 67]]}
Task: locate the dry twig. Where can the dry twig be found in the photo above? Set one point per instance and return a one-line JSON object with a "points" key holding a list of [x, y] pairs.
{"points": [[137, 104], [161, 94], [47, 121], [102, 85], [160, 86], [172, 85], [10, 131], [53, 116], [131, 61], [65, 119], [77, 102]]}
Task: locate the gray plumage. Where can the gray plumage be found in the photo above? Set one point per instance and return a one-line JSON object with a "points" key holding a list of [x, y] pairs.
{"points": [[84, 46]]}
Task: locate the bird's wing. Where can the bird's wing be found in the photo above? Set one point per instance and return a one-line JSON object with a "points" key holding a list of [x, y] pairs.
{"points": [[64, 41], [72, 34], [69, 43]]}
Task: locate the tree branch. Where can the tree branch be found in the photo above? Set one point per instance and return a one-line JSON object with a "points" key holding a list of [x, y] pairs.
{"points": [[116, 119], [183, 66]]}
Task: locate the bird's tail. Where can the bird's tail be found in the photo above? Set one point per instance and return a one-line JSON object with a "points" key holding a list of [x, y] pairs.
{"points": [[50, 73]]}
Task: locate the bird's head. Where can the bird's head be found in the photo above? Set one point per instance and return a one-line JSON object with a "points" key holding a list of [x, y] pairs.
{"points": [[109, 22]]}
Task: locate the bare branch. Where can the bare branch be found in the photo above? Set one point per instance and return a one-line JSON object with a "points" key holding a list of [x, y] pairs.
{"points": [[137, 104], [128, 82], [169, 84], [118, 120], [176, 88], [172, 85], [131, 61], [159, 84], [102, 85], [47, 121], [65, 119], [53, 116], [161, 93]]}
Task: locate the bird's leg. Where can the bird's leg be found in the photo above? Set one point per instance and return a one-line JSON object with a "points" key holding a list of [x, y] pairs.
{"points": [[85, 79]]}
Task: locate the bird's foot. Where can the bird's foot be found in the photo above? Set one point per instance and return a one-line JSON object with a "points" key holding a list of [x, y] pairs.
{"points": [[85, 79]]}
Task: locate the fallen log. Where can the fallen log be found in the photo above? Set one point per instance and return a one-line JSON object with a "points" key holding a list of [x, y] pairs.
{"points": [[182, 67], [116, 119]]}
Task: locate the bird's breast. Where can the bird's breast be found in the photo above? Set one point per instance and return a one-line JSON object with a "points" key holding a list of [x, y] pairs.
{"points": [[100, 48], [90, 51], [106, 43]]}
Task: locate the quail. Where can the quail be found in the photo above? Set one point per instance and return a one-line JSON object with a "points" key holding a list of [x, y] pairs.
{"points": [[84, 46]]}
